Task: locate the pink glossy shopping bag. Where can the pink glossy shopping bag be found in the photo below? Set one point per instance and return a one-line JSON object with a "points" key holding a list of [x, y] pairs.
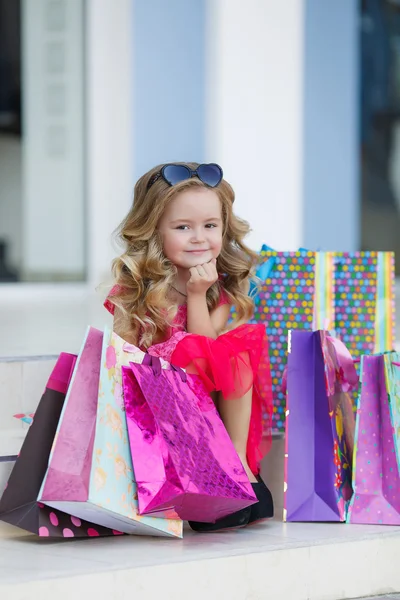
{"points": [[184, 461]]}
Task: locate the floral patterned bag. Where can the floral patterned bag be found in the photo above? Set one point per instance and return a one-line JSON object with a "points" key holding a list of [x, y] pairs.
{"points": [[90, 474]]}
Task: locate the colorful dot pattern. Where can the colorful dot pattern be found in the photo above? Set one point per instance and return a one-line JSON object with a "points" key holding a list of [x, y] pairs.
{"points": [[376, 479], [285, 302], [355, 281]]}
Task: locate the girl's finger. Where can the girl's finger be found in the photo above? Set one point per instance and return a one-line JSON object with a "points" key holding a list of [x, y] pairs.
{"points": [[207, 269], [211, 271]]}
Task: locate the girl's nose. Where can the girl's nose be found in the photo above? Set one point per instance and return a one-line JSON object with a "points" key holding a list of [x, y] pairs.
{"points": [[198, 235]]}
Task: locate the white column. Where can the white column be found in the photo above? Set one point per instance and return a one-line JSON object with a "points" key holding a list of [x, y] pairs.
{"points": [[254, 112], [109, 111]]}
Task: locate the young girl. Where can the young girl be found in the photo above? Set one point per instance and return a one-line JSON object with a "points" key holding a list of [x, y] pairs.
{"points": [[185, 265]]}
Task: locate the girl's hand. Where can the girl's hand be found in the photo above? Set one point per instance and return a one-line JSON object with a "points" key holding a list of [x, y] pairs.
{"points": [[202, 277]]}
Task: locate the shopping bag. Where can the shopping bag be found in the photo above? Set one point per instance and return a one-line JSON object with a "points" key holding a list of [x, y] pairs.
{"points": [[285, 302], [185, 463], [349, 294], [18, 505], [70, 460], [319, 428], [376, 462], [90, 472]]}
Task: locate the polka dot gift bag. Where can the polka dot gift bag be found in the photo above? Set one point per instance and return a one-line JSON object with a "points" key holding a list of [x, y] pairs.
{"points": [[376, 459], [349, 294]]}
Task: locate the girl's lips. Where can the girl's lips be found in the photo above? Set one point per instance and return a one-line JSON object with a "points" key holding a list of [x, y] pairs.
{"points": [[197, 251]]}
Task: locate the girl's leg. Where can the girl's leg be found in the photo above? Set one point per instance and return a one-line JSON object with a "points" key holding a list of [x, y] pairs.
{"points": [[236, 417]]}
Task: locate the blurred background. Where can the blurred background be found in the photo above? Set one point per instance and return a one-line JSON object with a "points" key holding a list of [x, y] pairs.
{"points": [[298, 100]]}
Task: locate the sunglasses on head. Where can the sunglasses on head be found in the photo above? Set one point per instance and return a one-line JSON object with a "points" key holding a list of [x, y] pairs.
{"points": [[210, 174]]}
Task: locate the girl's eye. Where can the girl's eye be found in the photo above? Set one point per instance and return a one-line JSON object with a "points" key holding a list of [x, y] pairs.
{"points": [[183, 227], [211, 225]]}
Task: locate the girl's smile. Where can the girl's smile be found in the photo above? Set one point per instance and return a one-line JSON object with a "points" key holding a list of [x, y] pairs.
{"points": [[191, 228]]}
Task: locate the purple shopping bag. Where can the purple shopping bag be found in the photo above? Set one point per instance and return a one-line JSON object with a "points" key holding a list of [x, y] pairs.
{"points": [[319, 428], [184, 461], [376, 463]]}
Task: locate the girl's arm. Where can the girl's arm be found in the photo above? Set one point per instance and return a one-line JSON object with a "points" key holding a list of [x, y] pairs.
{"points": [[200, 321], [219, 317]]}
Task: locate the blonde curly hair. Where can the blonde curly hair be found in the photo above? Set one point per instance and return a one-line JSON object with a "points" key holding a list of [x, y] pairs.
{"points": [[144, 275]]}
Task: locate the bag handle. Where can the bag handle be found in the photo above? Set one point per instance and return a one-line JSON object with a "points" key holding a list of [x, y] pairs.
{"points": [[347, 374], [182, 374], [155, 363]]}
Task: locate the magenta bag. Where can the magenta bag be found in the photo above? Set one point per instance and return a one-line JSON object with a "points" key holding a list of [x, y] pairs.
{"points": [[376, 461], [184, 461]]}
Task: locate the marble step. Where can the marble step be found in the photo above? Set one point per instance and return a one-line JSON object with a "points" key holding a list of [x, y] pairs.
{"points": [[292, 561], [22, 381], [10, 444]]}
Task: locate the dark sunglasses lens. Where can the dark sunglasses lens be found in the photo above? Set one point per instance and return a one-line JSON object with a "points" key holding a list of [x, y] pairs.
{"points": [[210, 174], [176, 173]]}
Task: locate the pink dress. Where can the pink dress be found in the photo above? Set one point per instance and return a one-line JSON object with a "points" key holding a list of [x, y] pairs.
{"points": [[232, 364]]}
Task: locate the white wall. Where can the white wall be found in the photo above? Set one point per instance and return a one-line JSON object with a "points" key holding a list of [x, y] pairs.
{"points": [[254, 112], [53, 138]]}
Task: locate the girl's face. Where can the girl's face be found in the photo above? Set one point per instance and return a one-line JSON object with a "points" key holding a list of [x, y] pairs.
{"points": [[191, 228]]}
